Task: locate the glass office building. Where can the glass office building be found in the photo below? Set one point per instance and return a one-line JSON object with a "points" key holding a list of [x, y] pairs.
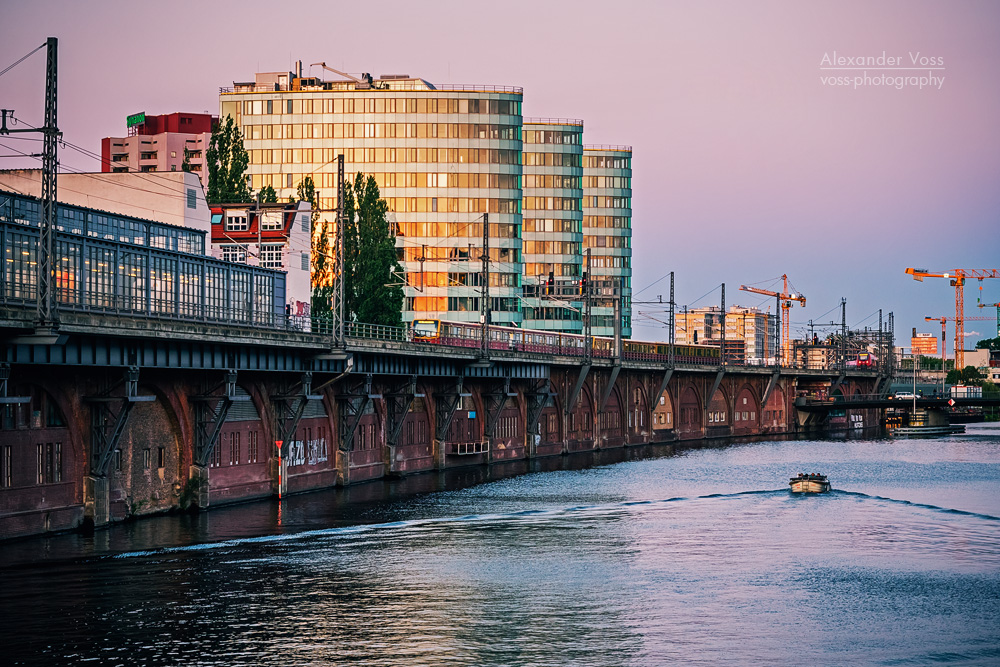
{"points": [[607, 233], [553, 224], [444, 157]]}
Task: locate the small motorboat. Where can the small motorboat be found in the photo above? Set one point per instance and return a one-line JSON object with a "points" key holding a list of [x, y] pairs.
{"points": [[809, 483]]}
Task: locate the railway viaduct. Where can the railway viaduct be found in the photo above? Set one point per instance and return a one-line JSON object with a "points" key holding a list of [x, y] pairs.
{"points": [[113, 416]]}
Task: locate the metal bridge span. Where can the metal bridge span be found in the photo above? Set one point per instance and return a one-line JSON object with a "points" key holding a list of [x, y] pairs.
{"points": [[117, 415]]}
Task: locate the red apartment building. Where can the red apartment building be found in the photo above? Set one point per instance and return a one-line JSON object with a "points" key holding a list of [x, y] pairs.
{"points": [[158, 143]]}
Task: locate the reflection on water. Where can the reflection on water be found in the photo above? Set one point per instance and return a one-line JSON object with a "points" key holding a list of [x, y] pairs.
{"points": [[698, 557]]}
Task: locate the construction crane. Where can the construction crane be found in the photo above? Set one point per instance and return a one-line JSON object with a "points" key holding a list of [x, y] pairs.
{"points": [[992, 305], [784, 298], [944, 321], [364, 83], [957, 278]]}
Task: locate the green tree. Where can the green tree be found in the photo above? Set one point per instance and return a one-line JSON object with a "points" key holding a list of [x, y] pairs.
{"points": [[267, 195], [227, 165], [186, 164], [989, 344], [372, 293], [968, 375]]}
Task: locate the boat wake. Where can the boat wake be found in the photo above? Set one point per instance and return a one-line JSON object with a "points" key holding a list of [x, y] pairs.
{"points": [[936, 508], [481, 519]]}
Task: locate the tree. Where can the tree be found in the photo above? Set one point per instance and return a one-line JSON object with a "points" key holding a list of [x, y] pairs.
{"points": [[227, 165], [186, 164], [372, 293], [989, 344], [968, 375], [267, 195], [322, 275]]}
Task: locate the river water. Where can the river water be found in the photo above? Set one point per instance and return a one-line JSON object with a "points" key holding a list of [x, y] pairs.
{"points": [[641, 557]]}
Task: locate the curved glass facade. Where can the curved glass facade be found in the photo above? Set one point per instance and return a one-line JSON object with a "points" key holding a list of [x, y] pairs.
{"points": [[607, 232], [443, 157], [553, 224]]}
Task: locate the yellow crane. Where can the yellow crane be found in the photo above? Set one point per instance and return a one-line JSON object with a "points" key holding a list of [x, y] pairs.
{"points": [[785, 299], [957, 278]]}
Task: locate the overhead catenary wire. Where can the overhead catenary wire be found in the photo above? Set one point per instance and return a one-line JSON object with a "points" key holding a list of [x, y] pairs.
{"points": [[22, 59]]}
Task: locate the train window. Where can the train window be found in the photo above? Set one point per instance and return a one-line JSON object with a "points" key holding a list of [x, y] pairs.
{"points": [[426, 328]]}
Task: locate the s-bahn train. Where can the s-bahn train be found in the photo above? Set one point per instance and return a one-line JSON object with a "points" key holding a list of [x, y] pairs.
{"points": [[863, 360], [468, 334]]}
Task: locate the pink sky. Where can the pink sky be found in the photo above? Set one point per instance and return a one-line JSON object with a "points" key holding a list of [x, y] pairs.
{"points": [[745, 165]]}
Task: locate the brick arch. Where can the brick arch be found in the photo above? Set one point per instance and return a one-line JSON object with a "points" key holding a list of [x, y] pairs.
{"points": [[154, 435], [550, 427], [775, 410], [719, 412], [664, 416], [746, 410], [415, 449], [581, 421], [612, 421], [690, 409], [639, 427]]}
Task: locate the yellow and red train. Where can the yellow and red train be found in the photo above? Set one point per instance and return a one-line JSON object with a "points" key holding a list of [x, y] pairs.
{"points": [[468, 334]]}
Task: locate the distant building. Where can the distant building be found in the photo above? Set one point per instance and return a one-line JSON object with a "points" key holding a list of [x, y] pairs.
{"points": [[923, 343], [271, 236], [159, 143], [174, 198], [751, 334]]}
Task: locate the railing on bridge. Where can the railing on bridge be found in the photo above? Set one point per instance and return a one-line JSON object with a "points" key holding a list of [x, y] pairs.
{"points": [[145, 270]]}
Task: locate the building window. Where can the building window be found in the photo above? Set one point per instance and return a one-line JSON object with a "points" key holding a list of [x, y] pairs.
{"points": [[237, 223], [216, 459], [6, 478], [270, 255], [161, 457], [49, 462], [145, 458], [234, 253], [272, 221], [234, 449], [192, 198], [305, 262], [118, 460], [252, 445]]}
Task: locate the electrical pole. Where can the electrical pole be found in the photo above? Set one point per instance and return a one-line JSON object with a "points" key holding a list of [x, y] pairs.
{"points": [[618, 319], [843, 334], [723, 343], [779, 348], [673, 324], [337, 298], [588, 343], [47, 312], [47, 315], [484, 306]]}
